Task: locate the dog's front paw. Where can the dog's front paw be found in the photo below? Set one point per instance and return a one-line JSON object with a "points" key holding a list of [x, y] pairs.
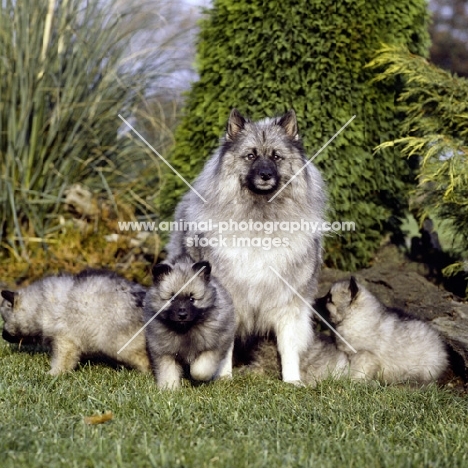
{"points": [[225, 377], [296, 383], [170, 385]]}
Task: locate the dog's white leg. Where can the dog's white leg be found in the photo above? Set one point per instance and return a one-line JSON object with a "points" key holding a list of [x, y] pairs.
{"points": [[65, 355], [205, 366], [225, 367], [169, 373], [293, 335]]}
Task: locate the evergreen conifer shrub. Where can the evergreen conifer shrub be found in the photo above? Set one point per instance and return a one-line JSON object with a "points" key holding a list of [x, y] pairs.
{"points": [[435, 128], [266, 57]]}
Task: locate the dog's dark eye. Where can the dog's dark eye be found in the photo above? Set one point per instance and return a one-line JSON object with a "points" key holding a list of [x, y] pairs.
{"points": [[192, 299], [250, 156], [276, 156]]}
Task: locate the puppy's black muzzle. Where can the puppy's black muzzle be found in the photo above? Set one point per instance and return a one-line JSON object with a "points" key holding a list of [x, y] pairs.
{"points": [[10, 338]]}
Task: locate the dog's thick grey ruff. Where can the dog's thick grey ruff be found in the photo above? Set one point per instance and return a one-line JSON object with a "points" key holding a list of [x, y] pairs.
{"points": [[390, 346], [91, 314], [233, 184], [203, 344]]}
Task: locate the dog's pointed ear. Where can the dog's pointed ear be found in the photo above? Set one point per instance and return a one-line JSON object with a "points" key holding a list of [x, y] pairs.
{"points": [[289, 122], [204, 270], [9, 296], [159, 270], [235, 124], [353, 287]]}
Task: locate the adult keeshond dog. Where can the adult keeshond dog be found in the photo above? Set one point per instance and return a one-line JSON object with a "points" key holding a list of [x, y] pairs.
{"points": [[192, 323], [262, 199]]}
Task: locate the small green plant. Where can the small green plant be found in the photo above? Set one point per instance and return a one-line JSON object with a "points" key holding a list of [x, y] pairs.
{"points": [[68, 70]]}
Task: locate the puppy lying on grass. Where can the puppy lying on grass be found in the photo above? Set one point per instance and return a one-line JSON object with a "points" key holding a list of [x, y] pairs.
{"points": [[390, 345]]}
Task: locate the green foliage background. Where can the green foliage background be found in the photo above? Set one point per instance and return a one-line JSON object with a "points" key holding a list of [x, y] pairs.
{"points": [[265, 57], [435, 105], [66, 73]]}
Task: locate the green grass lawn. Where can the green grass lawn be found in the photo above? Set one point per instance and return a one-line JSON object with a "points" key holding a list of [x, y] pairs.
{"points": [[250, 421]]}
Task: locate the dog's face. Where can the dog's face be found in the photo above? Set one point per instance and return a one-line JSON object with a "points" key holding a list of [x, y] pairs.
{"points": [[7, 310], [20, 312], [340, 299], [10, 311], [182, 304], [263, 154], [263, 176]]}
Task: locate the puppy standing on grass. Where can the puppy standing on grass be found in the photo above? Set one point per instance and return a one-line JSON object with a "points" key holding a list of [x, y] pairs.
{"points": [[91, 314], [192, 323], [389, 345]]}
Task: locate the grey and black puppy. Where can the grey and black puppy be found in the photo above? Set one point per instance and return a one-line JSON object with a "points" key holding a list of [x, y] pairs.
{"points": [[192, 323], [260, 175], [94, 313], [390, 345]]}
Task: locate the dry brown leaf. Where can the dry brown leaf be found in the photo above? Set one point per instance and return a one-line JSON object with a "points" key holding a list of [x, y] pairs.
{"points": [[99, 419]]}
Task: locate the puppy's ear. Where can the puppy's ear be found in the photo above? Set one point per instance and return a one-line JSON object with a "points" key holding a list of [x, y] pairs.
{"points": [[159, 270], [289, 122], [9, 296], [353, 287], [235, 124], [320, 304], [204, 270]]}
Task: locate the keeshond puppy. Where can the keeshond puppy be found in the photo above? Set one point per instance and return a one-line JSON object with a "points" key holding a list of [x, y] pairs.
{"points": [[260, 178], [94, 313], [191, 323], [390, 345]]}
